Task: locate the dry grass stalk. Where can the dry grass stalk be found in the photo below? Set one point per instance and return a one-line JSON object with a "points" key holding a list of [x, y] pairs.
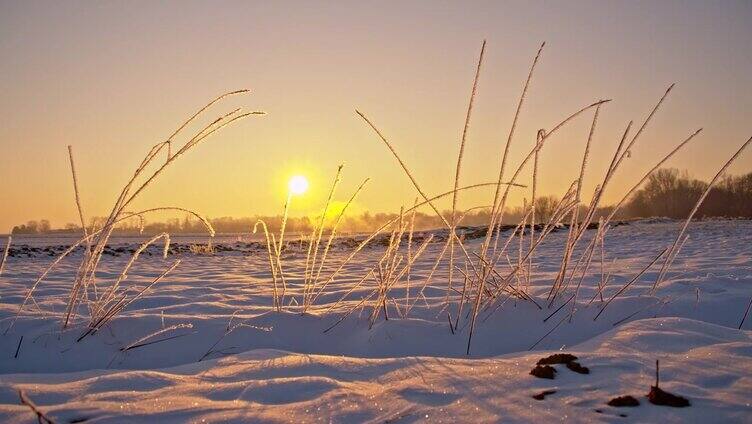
{"points": [[623, 153], [148, 339], [497, 218], [746, 312], [463, 297], [574, 231], [548, 333], [538, 144], [6, 251], [351, 310], [274, 265], [76, 191], [284, 224], [660, 163], [459, 164], [318, 231], [333, 232], [429, 277], [603, 284], [562, 208], [79, 208], [410, 253], [497, 207]]}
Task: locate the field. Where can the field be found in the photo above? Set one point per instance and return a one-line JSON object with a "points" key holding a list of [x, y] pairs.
{"points": [[284, 366]]}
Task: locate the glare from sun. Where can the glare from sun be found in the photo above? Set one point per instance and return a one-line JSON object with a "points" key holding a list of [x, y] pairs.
{"points": [[298, 185]]}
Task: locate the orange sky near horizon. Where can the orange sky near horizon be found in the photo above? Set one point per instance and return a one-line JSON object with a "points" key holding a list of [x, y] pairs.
{"points": [[114, 78]]}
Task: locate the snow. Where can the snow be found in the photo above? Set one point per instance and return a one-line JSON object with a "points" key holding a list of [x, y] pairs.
{"points": [[282, 367]]}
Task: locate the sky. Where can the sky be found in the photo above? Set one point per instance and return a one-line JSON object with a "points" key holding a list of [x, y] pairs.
{"points": [[114, 78]]}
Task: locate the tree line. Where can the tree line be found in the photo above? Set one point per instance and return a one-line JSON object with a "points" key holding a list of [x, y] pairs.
{"points": [[667, 193]]}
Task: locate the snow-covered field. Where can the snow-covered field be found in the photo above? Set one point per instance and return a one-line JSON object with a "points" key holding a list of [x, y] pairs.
{"points": [[283, 367]]}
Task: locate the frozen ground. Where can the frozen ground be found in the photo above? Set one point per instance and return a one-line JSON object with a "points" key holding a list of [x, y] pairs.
{"points": [[282, 367]]}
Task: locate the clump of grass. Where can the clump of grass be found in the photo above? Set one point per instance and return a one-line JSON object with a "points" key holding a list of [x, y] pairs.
{"points": [[390, 271], [103, 307], [105, 312], [314, 263], [386, 225]]}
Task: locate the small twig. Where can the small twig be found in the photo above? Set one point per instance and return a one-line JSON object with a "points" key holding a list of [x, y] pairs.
{"points": [[636, 312], [636, 277], [549, 332], [125, 349], [227, 332], [749, 305], [558, 309], [18, 348]]}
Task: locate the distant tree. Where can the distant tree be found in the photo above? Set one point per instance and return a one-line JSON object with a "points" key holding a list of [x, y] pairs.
{"points": [[44, 226], [545, 207], [673, 194], [668, 193], [32, 227], [71, 228]]}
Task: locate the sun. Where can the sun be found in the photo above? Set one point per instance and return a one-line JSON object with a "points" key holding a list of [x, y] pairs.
{"points": [[298, 185]]}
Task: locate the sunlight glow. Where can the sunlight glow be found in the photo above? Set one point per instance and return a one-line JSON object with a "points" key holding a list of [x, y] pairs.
{"points": [[298, 185]]}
